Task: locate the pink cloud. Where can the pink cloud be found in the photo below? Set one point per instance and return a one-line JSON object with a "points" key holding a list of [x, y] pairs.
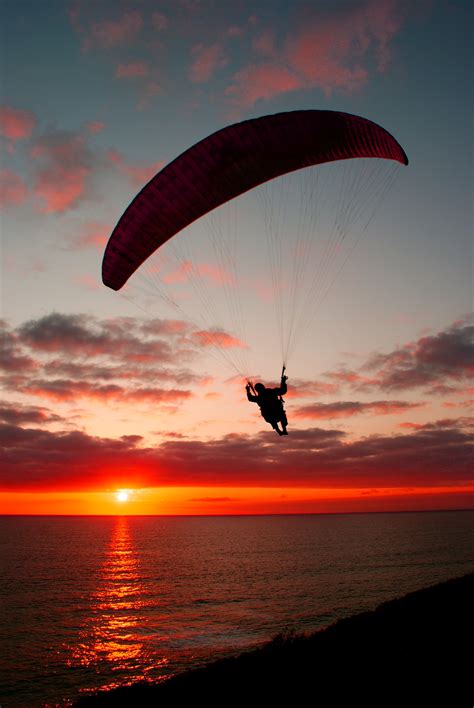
{"points": [[305, 389], [138, 174], [325, 54], [412, 426], [460, 404], [261, 81], [168, 328], [76, 355], [13, 359], [214, 273], [68, 390], [333, 50], [94, 234], [19, 414], [61, 188], [112, 33], [207, 59], [345, 409], [132, 70], [235, 31], [13, 190], [344, 376], [385, 20], [16, 124], [181, 274], [81, 336], [209, 271], [441, 363], [445, 423], [65, 166], [88, 281], [432, 360], [216, 338], [95, 126], [265, 43]]}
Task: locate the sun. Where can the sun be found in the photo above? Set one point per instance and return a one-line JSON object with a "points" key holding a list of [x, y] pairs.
{"points": [[122, 495]]}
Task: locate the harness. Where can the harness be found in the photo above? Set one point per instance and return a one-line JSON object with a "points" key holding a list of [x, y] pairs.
{"points": [[280, 398]]}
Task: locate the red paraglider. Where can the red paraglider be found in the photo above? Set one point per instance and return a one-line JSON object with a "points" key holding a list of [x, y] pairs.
{"points": [[228, 163]]}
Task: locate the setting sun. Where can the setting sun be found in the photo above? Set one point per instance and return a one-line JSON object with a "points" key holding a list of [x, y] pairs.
{"points": [[122, 496]]}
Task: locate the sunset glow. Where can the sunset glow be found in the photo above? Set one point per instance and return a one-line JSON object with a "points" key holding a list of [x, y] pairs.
{"points": [[133, 402], [204, 501]]}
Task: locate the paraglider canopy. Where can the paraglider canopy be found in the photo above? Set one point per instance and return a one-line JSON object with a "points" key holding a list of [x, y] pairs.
{"points": [[228, 163]]}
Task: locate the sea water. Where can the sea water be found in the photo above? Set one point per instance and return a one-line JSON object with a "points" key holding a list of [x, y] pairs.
{"points": [[95, 602]]}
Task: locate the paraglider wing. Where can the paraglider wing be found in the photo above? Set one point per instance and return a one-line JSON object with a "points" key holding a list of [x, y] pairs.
{"points": [[229, 163]]}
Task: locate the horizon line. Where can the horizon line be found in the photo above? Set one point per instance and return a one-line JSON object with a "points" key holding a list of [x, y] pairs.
{"points": [[200, 516]]}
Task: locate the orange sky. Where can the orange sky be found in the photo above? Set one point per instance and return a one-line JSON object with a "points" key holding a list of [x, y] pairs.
{"points": [[230, 500]]}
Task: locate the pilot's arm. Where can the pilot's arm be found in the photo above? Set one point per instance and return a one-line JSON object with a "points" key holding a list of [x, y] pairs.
{"points": [[250, 396]]}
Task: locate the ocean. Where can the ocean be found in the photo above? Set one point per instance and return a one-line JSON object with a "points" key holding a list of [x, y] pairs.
{"points": [[90, 603]]}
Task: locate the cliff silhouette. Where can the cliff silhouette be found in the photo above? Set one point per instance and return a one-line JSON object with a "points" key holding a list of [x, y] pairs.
{"points": [[412, 651]]}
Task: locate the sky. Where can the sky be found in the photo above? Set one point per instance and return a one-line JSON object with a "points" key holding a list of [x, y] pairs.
{"points": [[105, 391]]}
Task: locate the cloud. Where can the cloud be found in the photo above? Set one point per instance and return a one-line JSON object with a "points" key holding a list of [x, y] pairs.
{"points": [[65, 358], [217, 338], [93, 234], [80, 335], [32, 450], [12, 356], [206, 271], [302, 388], [107, 34], [345, 409], [18, 414], [63, 170], [13, 190], [465, 422], [64, 165], [264, 43], [431, 361], [132, 70], [99, 371], [15, 123], [352, 378], [468, 403], [440, 363], [207, 59], [261, 81], [331, 48], [166, 328], [95, 126], [235, 31], [436, 456], [69, 390], [88, 281], [334, 50], [138, 175]]}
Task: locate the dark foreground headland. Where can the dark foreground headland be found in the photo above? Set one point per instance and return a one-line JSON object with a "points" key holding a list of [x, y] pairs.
{"points": [[412, 651]]}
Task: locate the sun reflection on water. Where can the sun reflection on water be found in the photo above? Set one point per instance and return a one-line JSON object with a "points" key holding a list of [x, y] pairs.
{"points": [[113, 642]]}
